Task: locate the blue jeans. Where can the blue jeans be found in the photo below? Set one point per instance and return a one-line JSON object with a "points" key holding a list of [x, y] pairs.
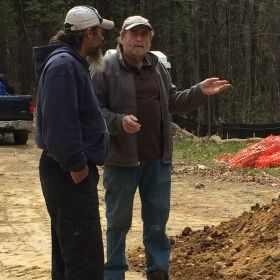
{"points": [[77, 247], [154, 182]]}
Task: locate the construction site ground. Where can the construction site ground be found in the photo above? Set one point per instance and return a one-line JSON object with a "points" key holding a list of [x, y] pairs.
{"points": [[224, 224]]}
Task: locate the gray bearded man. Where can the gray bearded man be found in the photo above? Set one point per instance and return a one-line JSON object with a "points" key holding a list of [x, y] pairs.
{"points": [[73, 135], [137, 97]]}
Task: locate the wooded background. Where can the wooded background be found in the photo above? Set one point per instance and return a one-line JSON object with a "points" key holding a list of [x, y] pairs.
{"points": [[236, 40]]}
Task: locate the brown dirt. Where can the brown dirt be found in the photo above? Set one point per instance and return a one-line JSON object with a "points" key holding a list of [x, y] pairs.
{"points": [[243, 246]]}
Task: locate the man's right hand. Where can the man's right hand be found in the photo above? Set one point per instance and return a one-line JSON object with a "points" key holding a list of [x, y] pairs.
{"points": [[130, 124], [79, 176]]}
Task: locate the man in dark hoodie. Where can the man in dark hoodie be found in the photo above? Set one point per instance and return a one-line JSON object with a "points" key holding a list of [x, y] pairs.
{"points": [[73, 135], [137, 98]]}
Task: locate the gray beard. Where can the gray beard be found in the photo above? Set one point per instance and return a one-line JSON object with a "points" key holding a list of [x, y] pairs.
{"points": [[96, 62]]}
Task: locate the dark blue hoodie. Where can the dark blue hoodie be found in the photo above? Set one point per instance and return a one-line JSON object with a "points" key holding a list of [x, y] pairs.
{"points": [[70, 125]]}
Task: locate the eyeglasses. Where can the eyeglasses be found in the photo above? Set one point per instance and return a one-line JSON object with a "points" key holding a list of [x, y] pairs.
{"points": [[97, 14]]}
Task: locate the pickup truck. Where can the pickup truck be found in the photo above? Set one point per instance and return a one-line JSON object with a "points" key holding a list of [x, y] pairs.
{"points": [[16, 116]]}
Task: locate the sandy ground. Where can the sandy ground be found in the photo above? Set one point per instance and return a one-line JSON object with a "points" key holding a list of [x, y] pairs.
{"points": [[24, 222]]}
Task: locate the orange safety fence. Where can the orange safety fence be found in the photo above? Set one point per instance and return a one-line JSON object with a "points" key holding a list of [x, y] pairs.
{"points": [[268, 160], [265, 153]]}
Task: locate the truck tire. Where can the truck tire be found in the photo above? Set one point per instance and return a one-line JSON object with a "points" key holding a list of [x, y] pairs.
{"points": [[20, 138]]}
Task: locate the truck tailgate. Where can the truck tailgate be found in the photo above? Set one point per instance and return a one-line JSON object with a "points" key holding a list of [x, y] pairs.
{"points": [[17, 107]]}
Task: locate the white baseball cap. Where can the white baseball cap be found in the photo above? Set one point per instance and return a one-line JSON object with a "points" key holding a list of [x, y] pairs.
{"points": [[133, 21], [82, 17]]}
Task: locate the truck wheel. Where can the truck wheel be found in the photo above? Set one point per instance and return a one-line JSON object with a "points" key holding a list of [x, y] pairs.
{"points": [[20, 138]]}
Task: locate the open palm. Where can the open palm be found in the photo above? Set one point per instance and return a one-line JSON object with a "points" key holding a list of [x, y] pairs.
{"points": [[212, 86]]}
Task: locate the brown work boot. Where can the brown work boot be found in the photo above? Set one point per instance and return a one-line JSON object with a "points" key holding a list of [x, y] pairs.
{"points": [[157, 275]]}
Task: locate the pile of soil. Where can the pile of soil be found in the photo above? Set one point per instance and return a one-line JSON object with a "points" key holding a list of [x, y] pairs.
{"points": [[246, 247]]}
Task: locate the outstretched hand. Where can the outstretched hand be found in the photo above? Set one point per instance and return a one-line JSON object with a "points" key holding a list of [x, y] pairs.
{"points": [[214, 86]]}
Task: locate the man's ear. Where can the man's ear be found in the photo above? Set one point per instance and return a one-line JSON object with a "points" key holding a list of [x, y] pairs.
{"points": [[88, 32], [94, 31]]}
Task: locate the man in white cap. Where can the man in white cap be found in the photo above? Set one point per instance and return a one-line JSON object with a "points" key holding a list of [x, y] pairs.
{"points": [[73, 135], [137, 98]]}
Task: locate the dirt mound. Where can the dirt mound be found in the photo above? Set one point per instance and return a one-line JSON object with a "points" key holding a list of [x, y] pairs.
{"points": [[246, 247], [179, 133]]}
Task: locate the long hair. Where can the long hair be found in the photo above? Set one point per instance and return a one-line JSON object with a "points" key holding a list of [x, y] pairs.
{"points": [[73, 38]]}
